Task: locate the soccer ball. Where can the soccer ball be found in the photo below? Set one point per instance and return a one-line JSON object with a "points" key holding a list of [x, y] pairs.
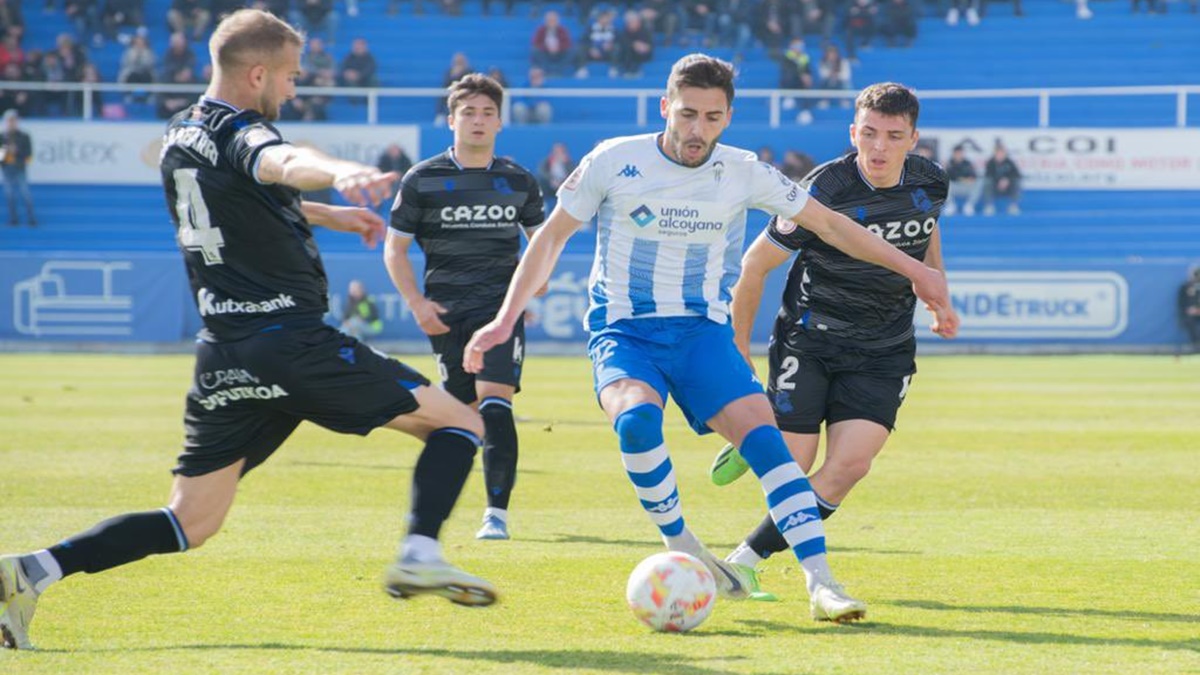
{"points": [[671, 592]]}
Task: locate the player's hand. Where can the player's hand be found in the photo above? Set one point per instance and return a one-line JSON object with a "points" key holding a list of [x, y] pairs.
{"points": [[492, 334], [365, 185], [932, 289], [429, 317], [363, 222], [945, 324]]}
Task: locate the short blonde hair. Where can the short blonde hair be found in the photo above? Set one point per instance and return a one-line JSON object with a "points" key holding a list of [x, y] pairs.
{"points": [[247, 35]]}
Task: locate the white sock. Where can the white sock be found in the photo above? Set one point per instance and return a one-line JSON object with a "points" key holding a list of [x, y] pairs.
{"points": [[816, 570], [52, 571], [419, 548], [493, 512], [744, 555], [685, 541]]}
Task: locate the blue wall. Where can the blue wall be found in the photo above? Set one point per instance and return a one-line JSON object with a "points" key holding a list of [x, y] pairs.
{"points": [[122, 297]]}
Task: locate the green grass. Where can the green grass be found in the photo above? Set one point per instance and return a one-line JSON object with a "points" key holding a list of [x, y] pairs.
{"points": [[1030, 515]]}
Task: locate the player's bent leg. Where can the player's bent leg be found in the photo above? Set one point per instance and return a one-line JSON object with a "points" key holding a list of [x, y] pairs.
{"points": [[851, 447], [197, 508], [749, 424], [500, 452], [451, 431], [199, 504], [635, 409], [436, 409]]}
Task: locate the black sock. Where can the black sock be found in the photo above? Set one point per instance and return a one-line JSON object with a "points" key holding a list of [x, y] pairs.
{"points": [[118, 541], [499, 450], [766, 539], [441, 471]]}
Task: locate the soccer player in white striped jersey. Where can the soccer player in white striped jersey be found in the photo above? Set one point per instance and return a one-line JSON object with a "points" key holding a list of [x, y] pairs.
{"points": [[671, 216]]}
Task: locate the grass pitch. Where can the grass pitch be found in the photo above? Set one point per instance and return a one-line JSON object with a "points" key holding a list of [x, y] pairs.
{"points": [[1030, 515]]}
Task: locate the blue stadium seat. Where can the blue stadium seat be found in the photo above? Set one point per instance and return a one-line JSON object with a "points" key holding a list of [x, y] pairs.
{"points": [[1046, 48]]}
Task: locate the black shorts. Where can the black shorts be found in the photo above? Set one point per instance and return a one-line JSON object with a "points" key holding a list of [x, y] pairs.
{"points": [[248, 396], [501, 364], [813, 380]]}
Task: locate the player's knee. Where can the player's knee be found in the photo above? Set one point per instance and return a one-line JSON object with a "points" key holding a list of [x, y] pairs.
{"points": [[850, 470], [199, 530], [452, 413], [467, 420], [640, 427]]}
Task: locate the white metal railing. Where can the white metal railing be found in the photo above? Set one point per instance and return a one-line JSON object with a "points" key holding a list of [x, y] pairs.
{"points": [[640, 97]]}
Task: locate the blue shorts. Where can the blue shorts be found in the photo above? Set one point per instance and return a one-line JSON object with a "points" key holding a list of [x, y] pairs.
{"points": [[692, 359]]}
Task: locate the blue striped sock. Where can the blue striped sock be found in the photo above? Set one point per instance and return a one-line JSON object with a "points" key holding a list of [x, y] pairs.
{"points": [[649, 466], [790, 498]]}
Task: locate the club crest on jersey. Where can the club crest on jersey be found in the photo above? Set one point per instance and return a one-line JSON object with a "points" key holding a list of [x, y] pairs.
{"points": [[499, 184], [921, 200]]}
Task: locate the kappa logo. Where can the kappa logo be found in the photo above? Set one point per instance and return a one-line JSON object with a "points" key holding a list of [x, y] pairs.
{"points": [[665, 506], [796, 519], [642, 215], [630, 171]]}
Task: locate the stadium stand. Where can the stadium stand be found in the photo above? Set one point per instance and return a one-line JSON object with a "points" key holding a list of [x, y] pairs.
{"points": [[1047, 47]]}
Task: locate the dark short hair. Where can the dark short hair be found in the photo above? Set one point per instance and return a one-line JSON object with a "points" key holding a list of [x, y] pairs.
{"points": [[702, 72], [250, 36], [891, 99], [472, 84]]}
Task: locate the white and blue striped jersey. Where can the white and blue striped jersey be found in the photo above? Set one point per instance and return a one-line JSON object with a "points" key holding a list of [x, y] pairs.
{"points": [[669, 237]]}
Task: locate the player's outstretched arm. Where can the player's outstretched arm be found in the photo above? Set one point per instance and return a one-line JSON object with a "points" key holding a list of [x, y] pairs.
{"points": [[355, 220], [399, 267], [933, 258], [307, 169], [760, 259], [838, 231], [532, 273]]}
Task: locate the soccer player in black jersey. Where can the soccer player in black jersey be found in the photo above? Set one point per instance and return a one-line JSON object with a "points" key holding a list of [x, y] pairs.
{"points": [[265, 361], [842, 350], [465, 208]]}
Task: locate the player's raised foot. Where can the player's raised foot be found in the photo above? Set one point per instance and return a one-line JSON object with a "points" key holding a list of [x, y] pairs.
{"points": [[754, 589], [494, 528], [18, 601], [407, 579], [728, 466], [829, 602]]}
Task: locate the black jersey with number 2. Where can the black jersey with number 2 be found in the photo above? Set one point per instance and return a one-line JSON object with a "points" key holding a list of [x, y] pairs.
{"points": [[250, 255], [845, 299], [467, 223]]}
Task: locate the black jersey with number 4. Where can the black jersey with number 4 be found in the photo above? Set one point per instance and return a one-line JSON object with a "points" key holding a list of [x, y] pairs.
{"points": [[250, 255], [467, 222], [846, 299]]}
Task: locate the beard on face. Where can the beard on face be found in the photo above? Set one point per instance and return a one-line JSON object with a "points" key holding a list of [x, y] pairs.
{"points": [[680, 144]]}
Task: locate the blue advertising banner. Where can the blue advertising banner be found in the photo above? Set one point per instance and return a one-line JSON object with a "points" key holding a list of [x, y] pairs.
{"points": [[76, 296], [86, 297]]}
